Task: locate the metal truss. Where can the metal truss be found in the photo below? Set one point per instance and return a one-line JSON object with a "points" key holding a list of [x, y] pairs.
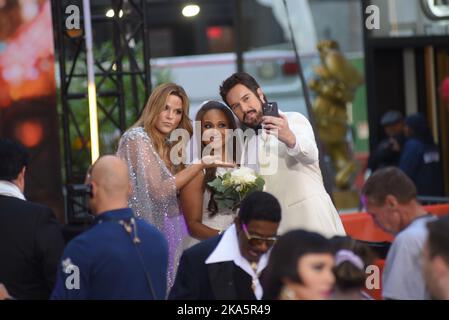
{"points": [[122, 77]]}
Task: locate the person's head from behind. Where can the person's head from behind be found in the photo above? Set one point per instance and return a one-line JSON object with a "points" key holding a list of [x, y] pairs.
{"points": [[436, 258], [215, 118], [243, 95], [110, 186], [393, 123], [300, 267], [387, 196], [416, 127], [351, 260], [167, 109], [13, 162], [257, 224]]}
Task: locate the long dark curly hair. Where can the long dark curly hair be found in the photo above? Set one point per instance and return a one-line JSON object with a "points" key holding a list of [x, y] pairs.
{"points": [[210, 172]]}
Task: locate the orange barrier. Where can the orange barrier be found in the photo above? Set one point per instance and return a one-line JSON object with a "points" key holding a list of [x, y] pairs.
{"points": [[439, 210], [360, 225]]}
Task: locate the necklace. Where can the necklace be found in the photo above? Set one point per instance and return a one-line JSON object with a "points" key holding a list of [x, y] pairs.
{"points": [[255, 279], [128, 225]]}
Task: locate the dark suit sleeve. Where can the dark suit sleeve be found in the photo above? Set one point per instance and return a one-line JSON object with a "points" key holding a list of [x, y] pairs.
{"points": [[49, 245], [186, 283]]}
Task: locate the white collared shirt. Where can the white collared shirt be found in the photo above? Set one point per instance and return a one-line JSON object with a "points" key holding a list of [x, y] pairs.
{"points": [[9, 189], [255, 144], [228, 250]]}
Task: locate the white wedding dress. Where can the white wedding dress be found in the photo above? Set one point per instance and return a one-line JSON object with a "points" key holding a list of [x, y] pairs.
{"points": [[220, 221]]}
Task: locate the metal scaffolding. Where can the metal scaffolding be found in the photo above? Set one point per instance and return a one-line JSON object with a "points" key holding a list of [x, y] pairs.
{"points": [[122, 78]]}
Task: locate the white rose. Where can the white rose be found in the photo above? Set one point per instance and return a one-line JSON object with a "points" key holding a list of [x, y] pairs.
{"points": [[249, 178], [243, 175]]}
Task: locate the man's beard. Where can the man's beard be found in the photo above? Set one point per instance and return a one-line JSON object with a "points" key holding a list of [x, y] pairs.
{"points": [[257, 120]]}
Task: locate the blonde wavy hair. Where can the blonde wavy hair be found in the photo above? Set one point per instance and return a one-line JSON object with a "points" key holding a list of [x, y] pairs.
{"points": [[155, 105]]}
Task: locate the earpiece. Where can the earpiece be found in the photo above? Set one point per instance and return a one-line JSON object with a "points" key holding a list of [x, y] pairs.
{"points": [[89, 190]]}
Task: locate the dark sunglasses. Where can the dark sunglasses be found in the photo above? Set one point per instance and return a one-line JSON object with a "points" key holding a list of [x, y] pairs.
{"points": [[255, 241]]}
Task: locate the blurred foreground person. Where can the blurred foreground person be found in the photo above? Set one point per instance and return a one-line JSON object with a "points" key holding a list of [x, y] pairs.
{"points": [[300, 268], [351, 260], [436, 259]]}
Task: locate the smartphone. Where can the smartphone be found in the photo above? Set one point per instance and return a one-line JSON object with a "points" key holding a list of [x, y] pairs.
{"points": [[270, 109]]}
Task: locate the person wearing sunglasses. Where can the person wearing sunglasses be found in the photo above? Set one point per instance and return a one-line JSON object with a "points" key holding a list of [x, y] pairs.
{"points": [[229, 266]]}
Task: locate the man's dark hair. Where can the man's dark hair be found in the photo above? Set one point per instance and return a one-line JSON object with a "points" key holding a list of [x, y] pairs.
{"points": [[419, 128], [13, 157], [439, 238], [260, 205], [389, 181], [391, 117], [238, 78]]}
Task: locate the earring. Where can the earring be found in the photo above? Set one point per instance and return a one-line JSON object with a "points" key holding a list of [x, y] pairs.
{"points": [[287, 294]]}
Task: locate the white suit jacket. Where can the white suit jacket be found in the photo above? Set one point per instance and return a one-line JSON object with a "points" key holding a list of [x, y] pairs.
{"points": [[294, 177]]}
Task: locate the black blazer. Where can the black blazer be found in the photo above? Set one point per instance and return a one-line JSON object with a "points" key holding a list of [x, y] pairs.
{"points": [[216, 281], [31, 245]]}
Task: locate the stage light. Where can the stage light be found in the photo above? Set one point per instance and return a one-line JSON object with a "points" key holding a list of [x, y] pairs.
{"points": [[30, 133], [120, 13], [190, 10], [214, 33], [93, 119], [91, 89], [110, 13]]}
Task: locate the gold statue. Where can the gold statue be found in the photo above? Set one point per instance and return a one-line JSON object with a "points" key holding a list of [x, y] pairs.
{"points": [[335, 87]]}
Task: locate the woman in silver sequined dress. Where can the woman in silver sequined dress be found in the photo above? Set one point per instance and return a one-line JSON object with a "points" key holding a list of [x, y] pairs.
{"points": [[204, 219], [155, 179]]}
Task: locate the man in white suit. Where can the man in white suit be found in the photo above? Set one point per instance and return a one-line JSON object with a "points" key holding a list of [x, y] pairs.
{"points": [[287, 147]]}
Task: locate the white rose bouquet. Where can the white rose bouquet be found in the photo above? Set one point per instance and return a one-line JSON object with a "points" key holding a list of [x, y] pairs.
{"points": [[232, 187]]}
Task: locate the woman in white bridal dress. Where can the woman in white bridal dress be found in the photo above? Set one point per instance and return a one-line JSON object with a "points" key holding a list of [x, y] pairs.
{"points": [[203, 218]]}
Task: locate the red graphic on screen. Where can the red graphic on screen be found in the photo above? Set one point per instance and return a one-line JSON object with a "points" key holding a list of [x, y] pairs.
{"points": [[26, 51]]}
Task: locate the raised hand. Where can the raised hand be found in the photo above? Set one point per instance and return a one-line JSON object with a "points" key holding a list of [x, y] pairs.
{"points": [[279, 128], [215, 161]]}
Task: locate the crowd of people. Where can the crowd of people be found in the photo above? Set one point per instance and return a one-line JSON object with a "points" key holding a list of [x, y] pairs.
{"points": [[159, 233], [409, 145]]}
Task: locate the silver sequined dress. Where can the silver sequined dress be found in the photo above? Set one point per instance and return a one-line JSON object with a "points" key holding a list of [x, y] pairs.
{"points": [[154, 196]]}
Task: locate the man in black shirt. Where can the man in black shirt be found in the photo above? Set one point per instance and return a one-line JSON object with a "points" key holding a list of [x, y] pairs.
{"points": [[388, 151], [31, 241]]}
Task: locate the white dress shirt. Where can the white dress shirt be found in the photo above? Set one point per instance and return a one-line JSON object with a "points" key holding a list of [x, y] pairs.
{"points": [[9, 189], [228, 250]]}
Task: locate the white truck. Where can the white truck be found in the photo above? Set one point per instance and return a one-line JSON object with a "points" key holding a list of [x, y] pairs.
{"points": [[201, 75]]}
